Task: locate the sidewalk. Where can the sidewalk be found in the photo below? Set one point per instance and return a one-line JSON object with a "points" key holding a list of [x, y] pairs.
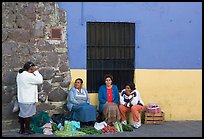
{"points": [[167, 129]]}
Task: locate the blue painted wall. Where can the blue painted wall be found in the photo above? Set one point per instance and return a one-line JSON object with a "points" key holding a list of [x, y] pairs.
{"points": [[168, 34]]}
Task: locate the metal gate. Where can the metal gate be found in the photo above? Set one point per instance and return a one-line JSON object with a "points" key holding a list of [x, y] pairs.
{"points": [[110, 49]]}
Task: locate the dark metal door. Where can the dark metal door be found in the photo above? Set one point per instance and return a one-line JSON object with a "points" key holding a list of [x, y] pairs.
{"points": [[110, 49]]}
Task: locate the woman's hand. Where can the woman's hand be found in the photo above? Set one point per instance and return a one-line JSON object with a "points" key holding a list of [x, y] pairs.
{"points": [[33, 68], [138, 103]]}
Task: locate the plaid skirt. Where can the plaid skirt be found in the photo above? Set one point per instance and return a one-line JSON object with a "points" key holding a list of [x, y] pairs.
{"points": [[110, 113]]}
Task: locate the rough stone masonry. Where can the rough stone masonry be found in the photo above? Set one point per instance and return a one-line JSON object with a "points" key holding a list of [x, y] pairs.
{"points": [[27, 36]]}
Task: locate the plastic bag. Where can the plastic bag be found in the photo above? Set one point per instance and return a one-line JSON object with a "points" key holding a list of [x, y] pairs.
{"points": [[153, 108], [16, 106], [39, 120], [74, 125], [47, 129], [99, 126], [70, 126]]}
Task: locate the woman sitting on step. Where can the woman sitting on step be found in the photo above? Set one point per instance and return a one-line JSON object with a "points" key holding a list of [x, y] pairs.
{"points": [[79, 104], [130, 101], [108, 97]]}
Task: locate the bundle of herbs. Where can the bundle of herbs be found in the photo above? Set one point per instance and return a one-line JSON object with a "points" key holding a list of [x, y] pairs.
{"points": [[90, 130]]}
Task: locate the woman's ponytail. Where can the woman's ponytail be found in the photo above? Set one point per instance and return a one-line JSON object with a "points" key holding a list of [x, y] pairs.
{"points": [[21, 70]]}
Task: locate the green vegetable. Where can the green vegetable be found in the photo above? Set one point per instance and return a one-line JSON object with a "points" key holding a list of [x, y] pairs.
{"points": [[121, 127], [54, 126], [127, 127], [90, 130], [69, 134], [117, 126]]}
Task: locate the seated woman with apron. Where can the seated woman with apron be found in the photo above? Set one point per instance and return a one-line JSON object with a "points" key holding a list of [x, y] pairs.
{"points": [[79, 103]]}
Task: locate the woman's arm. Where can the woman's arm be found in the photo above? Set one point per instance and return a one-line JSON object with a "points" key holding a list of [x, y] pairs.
{"points": [[139, 98], [71, 97], [122, 100], [88, 98], [116, 94], [34, 78], [100, 95], [136, 98]]}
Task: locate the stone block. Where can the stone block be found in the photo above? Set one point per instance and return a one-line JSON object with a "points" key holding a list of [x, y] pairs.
{"points": [[57, 94], [47, 73]]}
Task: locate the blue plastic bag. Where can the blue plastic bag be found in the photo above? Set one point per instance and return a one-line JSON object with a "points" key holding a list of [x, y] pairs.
{"points": [[74, 125]]}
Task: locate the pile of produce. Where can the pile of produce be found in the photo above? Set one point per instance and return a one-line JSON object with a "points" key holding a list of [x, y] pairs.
{"points": [[90, 130], [54, 126], [108, 129], [118, 126], [63, 133], [127, 127]]}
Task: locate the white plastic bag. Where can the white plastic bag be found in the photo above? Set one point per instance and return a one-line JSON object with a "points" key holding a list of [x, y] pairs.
{"points": [[100, 125], [16, 107], [47, 129]]}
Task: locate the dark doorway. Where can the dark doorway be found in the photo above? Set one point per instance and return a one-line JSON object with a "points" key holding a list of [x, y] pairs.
{"points": [[110, 49]]}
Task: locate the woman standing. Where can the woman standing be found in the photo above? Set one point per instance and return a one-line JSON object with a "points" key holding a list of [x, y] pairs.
{"points": [[130, 101], [108, 101], [27, 93], [79, 103]]}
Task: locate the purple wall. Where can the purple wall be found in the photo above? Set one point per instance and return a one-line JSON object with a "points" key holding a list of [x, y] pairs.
{"points": [[168, 35]]}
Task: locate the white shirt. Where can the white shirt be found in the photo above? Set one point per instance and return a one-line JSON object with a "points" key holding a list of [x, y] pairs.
{"points": [[134, 100], [27, 89]]}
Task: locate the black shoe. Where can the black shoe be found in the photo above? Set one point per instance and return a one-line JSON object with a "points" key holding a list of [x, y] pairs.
{"points": [[20, 131], [31, 132], [26, 132]]}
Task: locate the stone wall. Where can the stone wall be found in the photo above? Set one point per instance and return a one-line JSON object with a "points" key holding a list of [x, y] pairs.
{"points": [[26, 36]]}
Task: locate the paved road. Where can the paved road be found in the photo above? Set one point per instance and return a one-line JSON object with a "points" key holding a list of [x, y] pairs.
{"points": [[167, 129]]}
